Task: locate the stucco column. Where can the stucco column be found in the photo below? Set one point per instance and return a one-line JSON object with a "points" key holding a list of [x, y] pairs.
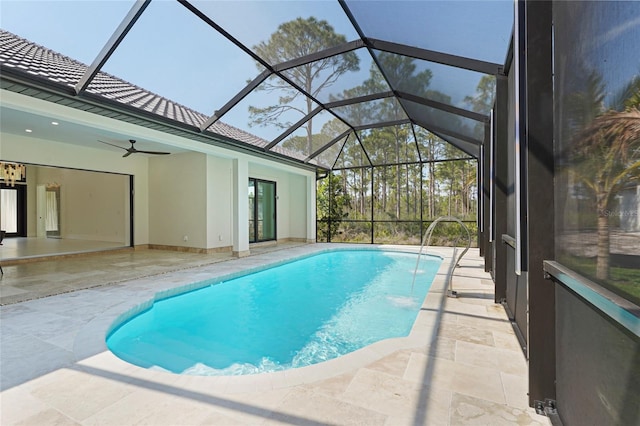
{"points": [[240, 207], [311, 209]]}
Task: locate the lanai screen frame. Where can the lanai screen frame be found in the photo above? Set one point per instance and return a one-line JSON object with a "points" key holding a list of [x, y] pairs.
{"points": [[470, 145], [422, 223], [415, 109]]}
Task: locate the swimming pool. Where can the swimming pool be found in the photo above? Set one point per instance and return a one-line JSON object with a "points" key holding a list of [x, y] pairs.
{"points": [[299, 313]]}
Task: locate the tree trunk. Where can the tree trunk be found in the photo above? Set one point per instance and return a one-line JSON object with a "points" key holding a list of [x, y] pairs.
{"points": [[384, 187], [360, 194], [406, 191], [309, 126], [397, 149], [432, 191], [362, 190], [398, 191], [450, 195], [602, 263]]}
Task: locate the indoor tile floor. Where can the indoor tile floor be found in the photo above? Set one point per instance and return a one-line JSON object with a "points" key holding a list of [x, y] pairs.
{"points": [[461, 363], [24, 248]]}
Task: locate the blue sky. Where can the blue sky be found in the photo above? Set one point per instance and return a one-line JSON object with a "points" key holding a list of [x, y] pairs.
{"points": [[171, 53]]}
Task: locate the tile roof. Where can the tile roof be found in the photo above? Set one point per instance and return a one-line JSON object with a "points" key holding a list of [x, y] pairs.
{"points": [[41, 62]]}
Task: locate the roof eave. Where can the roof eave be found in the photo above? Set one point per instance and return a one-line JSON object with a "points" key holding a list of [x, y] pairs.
{"points": [[42, 88]]}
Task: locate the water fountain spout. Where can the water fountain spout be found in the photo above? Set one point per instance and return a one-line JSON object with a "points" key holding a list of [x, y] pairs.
{"points": [[427, 238]]}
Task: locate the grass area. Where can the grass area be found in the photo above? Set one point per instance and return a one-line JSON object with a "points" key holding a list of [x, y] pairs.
{"points": [[625, 282]]}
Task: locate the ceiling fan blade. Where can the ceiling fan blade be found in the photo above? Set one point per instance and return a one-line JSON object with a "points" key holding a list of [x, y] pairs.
{"points": [[107, 143], [133, 150], [153, 152]]}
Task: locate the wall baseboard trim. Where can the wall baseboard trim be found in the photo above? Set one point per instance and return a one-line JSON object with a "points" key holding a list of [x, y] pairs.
{"points": [[197, 250], [293, 240], [264, 244]]}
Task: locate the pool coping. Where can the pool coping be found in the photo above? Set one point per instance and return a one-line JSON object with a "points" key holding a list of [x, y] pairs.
{"points": [[90, 347]]}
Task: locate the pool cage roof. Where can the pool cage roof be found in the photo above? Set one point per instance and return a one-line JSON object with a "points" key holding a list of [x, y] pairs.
{"points": [[306, 80]]}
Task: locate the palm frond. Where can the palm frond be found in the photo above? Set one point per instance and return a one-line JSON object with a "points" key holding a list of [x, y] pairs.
{"points": [[614, 132]]}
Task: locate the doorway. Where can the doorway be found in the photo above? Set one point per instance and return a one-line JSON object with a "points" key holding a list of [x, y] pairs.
{"points": [[48, 211], [13, 210], [262, 210], [61, 210]]}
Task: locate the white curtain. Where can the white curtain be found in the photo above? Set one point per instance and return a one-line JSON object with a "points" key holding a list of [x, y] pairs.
{"points": [[9, 210], [51, 216]]}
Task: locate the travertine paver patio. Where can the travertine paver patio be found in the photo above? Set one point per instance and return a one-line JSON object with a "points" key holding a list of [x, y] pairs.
{"points": [[461, 364]]}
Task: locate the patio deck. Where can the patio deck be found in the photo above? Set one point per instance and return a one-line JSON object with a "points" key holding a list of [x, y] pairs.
{"points": [[461, 363]]}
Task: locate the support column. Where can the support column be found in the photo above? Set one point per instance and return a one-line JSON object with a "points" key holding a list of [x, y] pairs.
{"points": [[481, 221], [538, 178], [311, 209], [240, 207], [501, 185], [486, 203]]}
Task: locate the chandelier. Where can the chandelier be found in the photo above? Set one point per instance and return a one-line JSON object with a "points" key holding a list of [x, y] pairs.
{"points": [[11, 172]]}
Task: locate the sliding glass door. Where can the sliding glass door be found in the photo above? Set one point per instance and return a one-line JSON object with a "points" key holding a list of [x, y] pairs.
{"points": [[262, 210]]}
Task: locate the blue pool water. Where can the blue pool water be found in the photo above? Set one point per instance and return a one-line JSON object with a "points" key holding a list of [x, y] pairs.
{"points": [[297, 314]]}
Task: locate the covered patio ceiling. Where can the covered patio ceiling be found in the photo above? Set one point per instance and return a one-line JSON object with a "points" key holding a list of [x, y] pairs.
{"points": [[416, 68]]}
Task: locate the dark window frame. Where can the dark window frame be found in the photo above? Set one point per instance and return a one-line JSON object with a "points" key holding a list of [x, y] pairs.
{"points": [[22, 209], [254, 215]]}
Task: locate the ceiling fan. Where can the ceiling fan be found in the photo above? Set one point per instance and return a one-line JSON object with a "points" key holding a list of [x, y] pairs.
{"points": [[133, 150]]}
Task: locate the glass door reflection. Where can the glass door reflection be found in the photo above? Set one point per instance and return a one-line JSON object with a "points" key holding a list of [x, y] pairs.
{"points": [[262, 210]]}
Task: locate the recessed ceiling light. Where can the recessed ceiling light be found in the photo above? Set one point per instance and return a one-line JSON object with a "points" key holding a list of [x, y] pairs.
{"points": [[28, 130], [55, 123]]}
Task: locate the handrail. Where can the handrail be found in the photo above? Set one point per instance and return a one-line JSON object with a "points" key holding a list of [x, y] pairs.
{"points": [[619, 309], [427, 236], [509, 240]]}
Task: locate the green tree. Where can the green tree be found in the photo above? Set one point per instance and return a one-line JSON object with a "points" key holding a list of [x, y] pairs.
{"points": [[394, 144], [605, 155], [482, 102], [586, 105], [404, 73], [330, 130], [332, 201], [629, 96], [292, 40], [431, 148]]}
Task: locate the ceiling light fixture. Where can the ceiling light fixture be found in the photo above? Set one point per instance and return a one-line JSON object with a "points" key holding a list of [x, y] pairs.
{"points": [[55, 123], [28, 130], [11, 172]]}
